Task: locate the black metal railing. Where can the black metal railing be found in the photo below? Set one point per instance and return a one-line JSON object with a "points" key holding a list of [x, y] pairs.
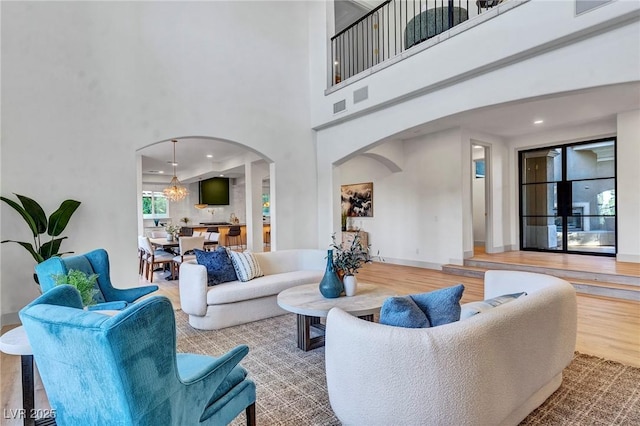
{"points": [[393, 27]]}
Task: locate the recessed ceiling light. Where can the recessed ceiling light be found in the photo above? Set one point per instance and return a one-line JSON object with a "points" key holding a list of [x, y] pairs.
{"points": [[209, 156], [160, 171], [221, 175], [172, 163], [538, 122]]}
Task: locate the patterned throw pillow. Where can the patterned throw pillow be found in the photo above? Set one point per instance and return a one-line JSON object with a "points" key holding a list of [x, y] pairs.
{"points": [[246, 265], [474, 308], [219, 266]]}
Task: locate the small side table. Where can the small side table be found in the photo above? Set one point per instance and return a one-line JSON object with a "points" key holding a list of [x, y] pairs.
{"points": [[16, 342]]}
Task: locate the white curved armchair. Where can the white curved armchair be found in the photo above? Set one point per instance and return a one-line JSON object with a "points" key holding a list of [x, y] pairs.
{"points": [[491, 369]]}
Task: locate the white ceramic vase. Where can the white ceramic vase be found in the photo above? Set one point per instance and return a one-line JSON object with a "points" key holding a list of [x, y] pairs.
{"points": [[350, 285]]}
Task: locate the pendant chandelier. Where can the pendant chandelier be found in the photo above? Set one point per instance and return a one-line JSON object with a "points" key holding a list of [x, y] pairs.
{"points": [[175, 191]]}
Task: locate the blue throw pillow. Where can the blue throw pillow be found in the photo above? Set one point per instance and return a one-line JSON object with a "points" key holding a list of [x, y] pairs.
{"points": [[440, 306], [402, 312], [219, 266]]}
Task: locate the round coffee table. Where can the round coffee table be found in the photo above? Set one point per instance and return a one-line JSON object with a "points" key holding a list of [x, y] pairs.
{"points": [[309, 305]]}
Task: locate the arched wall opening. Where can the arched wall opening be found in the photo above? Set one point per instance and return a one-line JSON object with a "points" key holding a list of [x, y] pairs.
{"points": [[199, 158], [417, 193]]}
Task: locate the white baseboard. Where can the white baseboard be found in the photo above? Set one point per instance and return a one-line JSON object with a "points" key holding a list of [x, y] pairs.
{"points": [[499, 249], [416, 263], [633, 258]]}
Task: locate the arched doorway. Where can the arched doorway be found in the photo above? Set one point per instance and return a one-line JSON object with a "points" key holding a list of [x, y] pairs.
{"points": [[199, 159]]}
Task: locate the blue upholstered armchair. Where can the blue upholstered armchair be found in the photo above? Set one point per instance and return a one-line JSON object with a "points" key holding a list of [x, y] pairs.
{"points": [[124, 369], [94, 262]]}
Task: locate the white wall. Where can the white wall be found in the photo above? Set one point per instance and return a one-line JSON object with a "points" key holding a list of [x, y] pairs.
{"points": [[86, 84], [418, 211], [628, 195]]}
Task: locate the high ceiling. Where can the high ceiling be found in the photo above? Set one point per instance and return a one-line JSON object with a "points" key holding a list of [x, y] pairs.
{"points": [[516, 119], [507, 121]]}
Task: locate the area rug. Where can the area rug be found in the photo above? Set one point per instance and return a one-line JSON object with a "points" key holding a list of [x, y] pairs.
{"points": [[292, 390]]}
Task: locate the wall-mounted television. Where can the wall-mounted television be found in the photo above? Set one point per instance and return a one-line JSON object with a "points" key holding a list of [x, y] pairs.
{"points": [[214, 191]]}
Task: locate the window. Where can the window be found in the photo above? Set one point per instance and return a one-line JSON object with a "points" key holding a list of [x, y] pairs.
{"points": [[265, 205], [154, 205], [568, 198]]}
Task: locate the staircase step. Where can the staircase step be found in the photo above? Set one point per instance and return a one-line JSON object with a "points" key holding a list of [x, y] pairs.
{"points": [[594, 287], [599, 288], [557, 272], [464, 271]]}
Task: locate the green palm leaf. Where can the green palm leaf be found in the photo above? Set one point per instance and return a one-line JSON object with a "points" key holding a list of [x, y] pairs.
{"points": [[35, 211], [50, 248], [60, 218], [36, 219], [29, 247], [26, 216]]}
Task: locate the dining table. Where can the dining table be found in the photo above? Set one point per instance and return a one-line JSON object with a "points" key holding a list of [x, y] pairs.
{"points": [[163, 243], [169, 246]]}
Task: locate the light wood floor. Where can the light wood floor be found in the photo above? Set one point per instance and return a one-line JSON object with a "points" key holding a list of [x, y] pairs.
{"points": [[574, 262], [609, 328]]}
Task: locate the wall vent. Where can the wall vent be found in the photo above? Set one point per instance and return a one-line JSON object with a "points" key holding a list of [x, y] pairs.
{"points": [[339, 106], [586, 5], [361, 94]]}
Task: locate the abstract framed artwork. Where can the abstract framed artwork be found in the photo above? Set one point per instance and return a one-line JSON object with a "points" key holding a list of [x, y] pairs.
{"points": [[357, 199]]}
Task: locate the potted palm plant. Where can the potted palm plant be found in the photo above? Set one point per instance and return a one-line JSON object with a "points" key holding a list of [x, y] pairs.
{"points": [[42, 248], [348, 259]]}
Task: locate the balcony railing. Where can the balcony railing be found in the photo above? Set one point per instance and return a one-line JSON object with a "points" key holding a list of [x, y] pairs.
{"points": [[394, 26]]}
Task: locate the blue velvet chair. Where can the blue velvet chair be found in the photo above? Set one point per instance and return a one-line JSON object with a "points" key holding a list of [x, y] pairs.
{"points": [[94, 262], [124, 369]]}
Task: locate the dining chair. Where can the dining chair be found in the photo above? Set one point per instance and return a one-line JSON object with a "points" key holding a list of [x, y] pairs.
{"points": [[234, 234], [153, 257], [187, 245], [211, 240], [124, 369], [158, 234], [142, 259]]}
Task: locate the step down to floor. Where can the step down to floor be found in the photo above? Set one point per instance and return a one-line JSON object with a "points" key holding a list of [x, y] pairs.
{"points": [[595, 287], [464, 271], [557, 272]]}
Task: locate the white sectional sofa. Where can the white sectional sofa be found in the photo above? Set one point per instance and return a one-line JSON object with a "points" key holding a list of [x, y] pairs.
{"points": [[235, 302], [493, 368]]}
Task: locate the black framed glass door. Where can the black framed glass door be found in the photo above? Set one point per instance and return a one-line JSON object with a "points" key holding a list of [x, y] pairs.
{"points": [[568, 198]]}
